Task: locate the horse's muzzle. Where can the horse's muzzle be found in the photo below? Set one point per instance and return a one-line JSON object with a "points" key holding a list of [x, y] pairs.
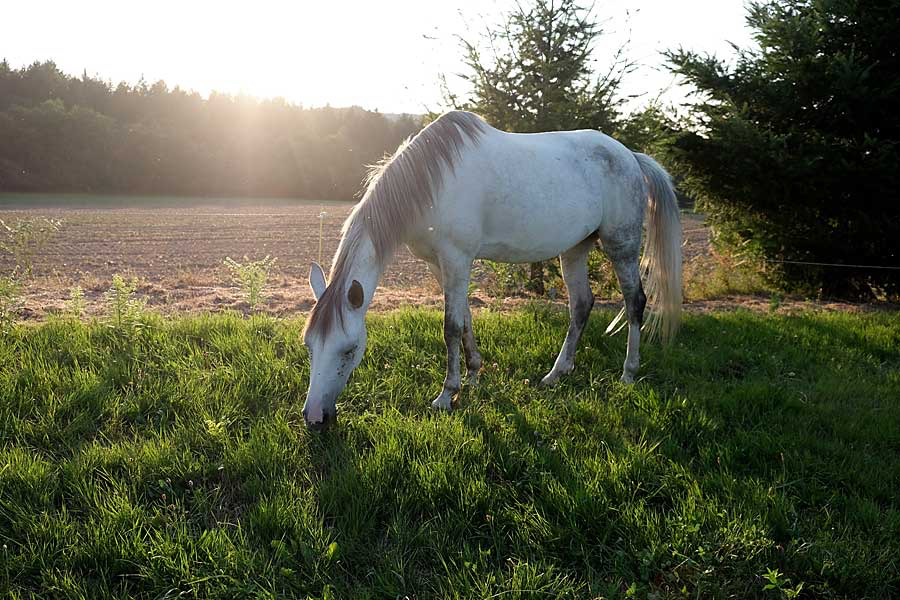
{"points": [[329, 418]]}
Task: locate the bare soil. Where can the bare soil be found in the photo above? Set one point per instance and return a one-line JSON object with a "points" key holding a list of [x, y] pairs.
{"points": [[177, 253]]}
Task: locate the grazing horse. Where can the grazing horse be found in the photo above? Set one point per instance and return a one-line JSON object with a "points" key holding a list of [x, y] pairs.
{"points": [[461, 190]]}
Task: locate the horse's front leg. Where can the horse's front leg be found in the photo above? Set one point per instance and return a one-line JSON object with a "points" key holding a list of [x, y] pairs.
{"points": [[455, 275]]}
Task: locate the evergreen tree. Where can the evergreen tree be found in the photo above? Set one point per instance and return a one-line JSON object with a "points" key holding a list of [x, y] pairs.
{"points": [[534, 72], [794, 149]]}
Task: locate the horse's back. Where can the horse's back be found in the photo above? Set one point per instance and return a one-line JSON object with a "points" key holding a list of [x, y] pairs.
{"points": [[527, 197]]}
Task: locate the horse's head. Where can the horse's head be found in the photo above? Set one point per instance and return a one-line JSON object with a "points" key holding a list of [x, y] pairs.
{"points": [[336, 339]]}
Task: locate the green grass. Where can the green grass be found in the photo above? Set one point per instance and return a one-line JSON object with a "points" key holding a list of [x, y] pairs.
{"points": [[171, 460]]}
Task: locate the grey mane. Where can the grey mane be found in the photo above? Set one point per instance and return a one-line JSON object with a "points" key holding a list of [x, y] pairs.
{"points": [[399, 190]]}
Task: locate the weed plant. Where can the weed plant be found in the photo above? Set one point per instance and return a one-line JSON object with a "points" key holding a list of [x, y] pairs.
{"points": [[76, 305], [24, 238], [251, 277], [10, 299], [123, 307]]}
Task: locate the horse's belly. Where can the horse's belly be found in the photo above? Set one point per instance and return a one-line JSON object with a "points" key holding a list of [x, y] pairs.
{"points": [[516, 251], [503, 252], [544, 230]]}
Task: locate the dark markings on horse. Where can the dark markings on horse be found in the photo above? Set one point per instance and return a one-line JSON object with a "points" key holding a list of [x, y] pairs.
{"points": [[640, 303]]}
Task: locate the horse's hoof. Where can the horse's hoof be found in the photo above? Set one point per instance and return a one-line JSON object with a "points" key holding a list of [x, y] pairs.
{"points": [[549, 380], [626, 379], [442, 403], [472, 378]]}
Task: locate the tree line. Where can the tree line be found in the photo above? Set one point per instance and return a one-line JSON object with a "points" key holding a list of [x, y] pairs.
{"points": [[82, 134]]}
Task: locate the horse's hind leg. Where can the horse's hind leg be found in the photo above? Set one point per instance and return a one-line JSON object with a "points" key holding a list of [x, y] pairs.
{"points": [[581, 301], [624, 259]]}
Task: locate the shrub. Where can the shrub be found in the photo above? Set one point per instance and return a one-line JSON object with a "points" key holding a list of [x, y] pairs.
{"points": [[794, 149], [251, 277], [76, 305], [505, 279], [10, 299], [124, 309], [26, 237]]}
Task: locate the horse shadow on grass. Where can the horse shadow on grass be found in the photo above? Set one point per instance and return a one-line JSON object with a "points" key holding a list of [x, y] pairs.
{"points": [[699, 479], [722, 420]]}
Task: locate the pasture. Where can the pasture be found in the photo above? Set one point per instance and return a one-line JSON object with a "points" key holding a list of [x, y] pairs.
{"points": [[758, 457]]}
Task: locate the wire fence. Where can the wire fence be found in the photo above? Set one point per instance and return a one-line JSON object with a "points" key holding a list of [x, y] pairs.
{"points": [[808, 262], [822, 264]]}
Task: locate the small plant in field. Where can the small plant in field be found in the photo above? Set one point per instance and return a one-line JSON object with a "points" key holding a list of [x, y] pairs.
{"points": [[76, 305], [125, 310], [777, 582], [26, 237], [775, 301], [10, 299], [216, 429], [251, 277]]}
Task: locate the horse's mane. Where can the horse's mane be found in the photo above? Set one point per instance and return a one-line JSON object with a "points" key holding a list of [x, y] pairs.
{"points": [[399, 189]]}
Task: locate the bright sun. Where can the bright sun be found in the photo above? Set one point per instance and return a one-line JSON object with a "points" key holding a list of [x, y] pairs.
{"points": [[385, 55]]}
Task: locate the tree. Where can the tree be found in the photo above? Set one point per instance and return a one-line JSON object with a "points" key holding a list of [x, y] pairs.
{"points": [[61, 133], [794, 149], [534, 72]]}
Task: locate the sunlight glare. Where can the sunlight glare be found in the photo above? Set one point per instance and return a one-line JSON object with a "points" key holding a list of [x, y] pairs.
{"points": [[385, 55]]}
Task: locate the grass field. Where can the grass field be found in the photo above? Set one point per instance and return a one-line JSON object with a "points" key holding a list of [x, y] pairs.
{"points": [[170, 460]]}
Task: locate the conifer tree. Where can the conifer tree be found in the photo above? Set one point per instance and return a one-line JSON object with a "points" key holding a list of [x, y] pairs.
{"points": [[534, 72], [794, 151]]}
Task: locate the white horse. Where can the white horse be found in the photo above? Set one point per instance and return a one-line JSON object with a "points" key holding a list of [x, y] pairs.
{"points": [[461, 190]]}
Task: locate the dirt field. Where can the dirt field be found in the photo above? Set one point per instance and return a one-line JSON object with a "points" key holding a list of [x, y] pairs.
{"points": [[176, 247], [177, 252]]}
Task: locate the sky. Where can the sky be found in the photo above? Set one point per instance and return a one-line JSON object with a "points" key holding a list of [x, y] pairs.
{"points": [[386, 55]]}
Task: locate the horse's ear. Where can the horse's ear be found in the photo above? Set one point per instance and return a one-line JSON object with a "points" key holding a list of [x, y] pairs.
{"points": [[355, 294], [317, 280]]}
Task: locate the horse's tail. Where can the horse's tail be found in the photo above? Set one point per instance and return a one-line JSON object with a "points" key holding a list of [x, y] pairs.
{"points": [[661, 262]]}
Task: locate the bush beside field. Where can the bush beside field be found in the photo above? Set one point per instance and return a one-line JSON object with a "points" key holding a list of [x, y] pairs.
{"points": [[757, 457]]}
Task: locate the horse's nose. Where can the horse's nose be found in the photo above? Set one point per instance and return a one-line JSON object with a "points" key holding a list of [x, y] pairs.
{"points": [[328, 419]]}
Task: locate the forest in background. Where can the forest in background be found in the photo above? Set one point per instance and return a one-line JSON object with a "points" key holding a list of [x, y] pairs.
{"points": [[60, 133]]}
